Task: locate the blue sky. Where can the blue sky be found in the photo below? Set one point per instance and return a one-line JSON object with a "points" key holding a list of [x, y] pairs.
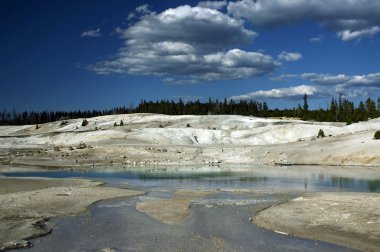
{"points": [[63, 55]]}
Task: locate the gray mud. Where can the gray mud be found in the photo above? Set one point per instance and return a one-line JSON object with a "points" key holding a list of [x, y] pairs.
{"points": [[218, 227]]}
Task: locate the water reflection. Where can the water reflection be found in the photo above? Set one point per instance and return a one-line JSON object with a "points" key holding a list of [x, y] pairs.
{"points": [[288, 178]]}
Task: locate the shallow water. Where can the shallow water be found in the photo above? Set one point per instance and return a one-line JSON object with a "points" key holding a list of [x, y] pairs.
{"points": [[301, 178], [218, 221]]}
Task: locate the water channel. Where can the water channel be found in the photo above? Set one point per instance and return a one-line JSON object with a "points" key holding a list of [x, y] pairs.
{"points": [[219, 221]]}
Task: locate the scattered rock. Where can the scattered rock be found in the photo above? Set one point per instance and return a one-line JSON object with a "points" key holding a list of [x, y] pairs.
{"points": [[81, 146], [16, 245]]}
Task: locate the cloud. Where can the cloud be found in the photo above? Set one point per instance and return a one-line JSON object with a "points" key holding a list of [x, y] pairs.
{"points": [[91, 33], [350, 19], [333, 85], [288, 93], [283, 77], [217, 5], [348, 35], [187, 44], [369, 80], [316, 39], [289, 56], [326, 79], [140, 10], [366, 80]]}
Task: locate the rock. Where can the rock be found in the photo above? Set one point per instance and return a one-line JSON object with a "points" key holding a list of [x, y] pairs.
{"points": [[56, 148], [16, 245], [81, 146], [71, 148]]}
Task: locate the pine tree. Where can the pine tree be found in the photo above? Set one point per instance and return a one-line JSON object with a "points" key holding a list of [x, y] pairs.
{"points": [[305, 105], [371, 108]]}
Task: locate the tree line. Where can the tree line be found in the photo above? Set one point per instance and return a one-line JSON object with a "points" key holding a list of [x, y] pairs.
{"points": [[339, 110]]}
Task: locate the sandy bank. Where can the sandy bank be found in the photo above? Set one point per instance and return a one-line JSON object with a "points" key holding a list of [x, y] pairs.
{"points": [[348, 219], [26, 205], [174, 210]]}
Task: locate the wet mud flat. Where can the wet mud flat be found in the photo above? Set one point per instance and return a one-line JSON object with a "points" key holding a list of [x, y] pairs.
{"points": [[345, 218], [217, 222], [28, 204], [199, 209]]}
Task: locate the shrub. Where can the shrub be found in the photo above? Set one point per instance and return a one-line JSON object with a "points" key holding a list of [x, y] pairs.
{"points": [[84, 122], [63, 123], [321, 134], [377, 134], [115, 124], [188, 125], [121, 123]]}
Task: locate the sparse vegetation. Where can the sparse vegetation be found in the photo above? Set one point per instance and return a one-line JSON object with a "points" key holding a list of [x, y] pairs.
{"points": [[121, 123], [37, 127], [188, 125], [321, 134], [63, 123], [115, 124], [377, 135], [84, 122]]}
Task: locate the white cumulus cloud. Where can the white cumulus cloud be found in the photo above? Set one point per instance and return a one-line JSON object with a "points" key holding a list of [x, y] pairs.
{"points": [[366, 80], [217, 5], [351, 19], [187, 44], [288, 93], [347, 85], [348, 35], [139, 10], [289, 56]]}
